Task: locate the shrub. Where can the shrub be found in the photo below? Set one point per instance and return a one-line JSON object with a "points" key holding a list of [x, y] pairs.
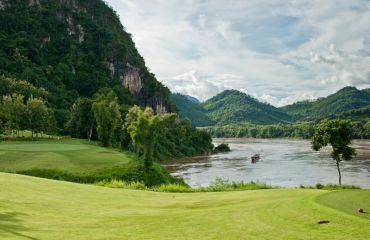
{"points": [[131, 172], [223, 147], [339, 187], [122, 184], [112, 183], [220, 185], [174, 188], [330, 186]]}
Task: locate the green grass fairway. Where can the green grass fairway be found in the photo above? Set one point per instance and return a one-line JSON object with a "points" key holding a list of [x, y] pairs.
{"points": [[71, 155], [33, 208], [348, 201]]}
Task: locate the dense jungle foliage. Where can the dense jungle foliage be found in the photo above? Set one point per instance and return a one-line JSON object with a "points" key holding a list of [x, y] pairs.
{"points": [[192, 110], [232, 106], [235, 114], [305, 130], [72, 49], [68, 62], [347, 100]]}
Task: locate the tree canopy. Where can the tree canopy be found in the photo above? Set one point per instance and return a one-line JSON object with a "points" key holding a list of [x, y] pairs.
{"points": [[337, 134]]}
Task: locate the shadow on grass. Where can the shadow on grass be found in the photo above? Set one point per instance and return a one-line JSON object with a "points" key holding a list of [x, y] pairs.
{"points": [[10, 223]]}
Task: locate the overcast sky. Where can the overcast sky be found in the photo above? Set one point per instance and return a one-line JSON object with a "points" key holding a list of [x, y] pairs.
{"points": [[278, 51]]}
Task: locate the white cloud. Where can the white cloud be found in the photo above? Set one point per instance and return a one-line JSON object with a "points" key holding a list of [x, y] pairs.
{"points": [[350, 68], [280, 51]]}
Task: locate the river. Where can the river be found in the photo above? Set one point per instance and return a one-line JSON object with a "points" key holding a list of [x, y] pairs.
{"points": [[284, 162]]}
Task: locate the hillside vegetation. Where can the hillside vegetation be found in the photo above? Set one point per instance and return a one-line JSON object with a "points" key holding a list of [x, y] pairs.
{"points": [[232, 106], [69, 68], [345, 100], [236, 114], [74, 211], [72, 49], [192, 110]]}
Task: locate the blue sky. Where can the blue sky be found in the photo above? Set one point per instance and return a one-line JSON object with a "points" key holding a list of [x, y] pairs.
{"points": [[278, 51]]}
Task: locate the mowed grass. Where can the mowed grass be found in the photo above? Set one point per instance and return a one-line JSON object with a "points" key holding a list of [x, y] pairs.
{"points": [[70, 155], [33, 208], [348, 201]]}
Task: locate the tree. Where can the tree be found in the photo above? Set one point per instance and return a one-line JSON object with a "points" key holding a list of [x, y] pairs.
{"points": [[40, 118], [81, 122], [2, 121], [143, 127], [107, 116], [337, 134], [13, 110]]}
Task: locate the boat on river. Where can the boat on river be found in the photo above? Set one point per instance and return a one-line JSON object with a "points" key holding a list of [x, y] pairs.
{"points": [[255, 158]]}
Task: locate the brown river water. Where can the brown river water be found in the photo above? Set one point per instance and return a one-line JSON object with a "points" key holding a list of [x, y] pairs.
{"points": [[284, 162]]}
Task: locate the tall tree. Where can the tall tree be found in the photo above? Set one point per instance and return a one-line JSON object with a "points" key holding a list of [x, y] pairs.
{"points": [[143, 127], [13, 110], [107, 116], [82, 123], [40, 118], [2, 120], [337, 134]]}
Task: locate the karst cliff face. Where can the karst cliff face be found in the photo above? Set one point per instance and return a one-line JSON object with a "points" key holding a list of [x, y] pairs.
{"points": [[82, 42]]}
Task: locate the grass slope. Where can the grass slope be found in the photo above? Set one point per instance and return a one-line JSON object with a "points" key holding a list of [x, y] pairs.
{"points": [[71, 155], [32, 208]]}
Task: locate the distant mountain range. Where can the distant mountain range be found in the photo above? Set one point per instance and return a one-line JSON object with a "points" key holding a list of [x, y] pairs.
{"points": [[190, 107], [345, 100], [235, 107]]}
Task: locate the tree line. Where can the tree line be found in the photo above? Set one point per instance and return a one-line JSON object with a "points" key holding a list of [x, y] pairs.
{"points": [[106, 117], [152, 136], [22, 107], [305, 130]]}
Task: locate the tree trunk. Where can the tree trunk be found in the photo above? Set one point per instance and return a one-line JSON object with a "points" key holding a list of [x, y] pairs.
{"points": [[90, 133], [339, 173]]}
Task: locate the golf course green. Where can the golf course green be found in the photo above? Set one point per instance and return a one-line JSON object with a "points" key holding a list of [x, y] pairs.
{"points": [[34, 208], [70, 155]]}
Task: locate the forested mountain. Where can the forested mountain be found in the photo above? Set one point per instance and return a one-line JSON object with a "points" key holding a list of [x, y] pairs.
{"points": [[232, 106], [191, 110], [193, 99], [341, 103], [74, 48]]}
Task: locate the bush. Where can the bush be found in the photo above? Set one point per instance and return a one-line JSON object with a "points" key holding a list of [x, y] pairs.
{"points": [[223, 147], [220, 185], [122, 184], [131, 172], [330, 186], [178, 188]]}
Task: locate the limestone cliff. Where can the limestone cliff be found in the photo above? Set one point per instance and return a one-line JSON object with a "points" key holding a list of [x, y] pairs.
{"points": [[83, 43]]}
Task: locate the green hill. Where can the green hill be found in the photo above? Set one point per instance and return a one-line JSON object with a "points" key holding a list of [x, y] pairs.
{"points": [[74, 48], [190, 109], [34, 208], [232, 106], [192, 99], [343, 102]]}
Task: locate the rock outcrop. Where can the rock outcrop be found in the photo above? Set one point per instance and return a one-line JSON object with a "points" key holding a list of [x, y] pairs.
{"points": [[87, 38], [3, 4], [33, 2], [131, 79]]}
